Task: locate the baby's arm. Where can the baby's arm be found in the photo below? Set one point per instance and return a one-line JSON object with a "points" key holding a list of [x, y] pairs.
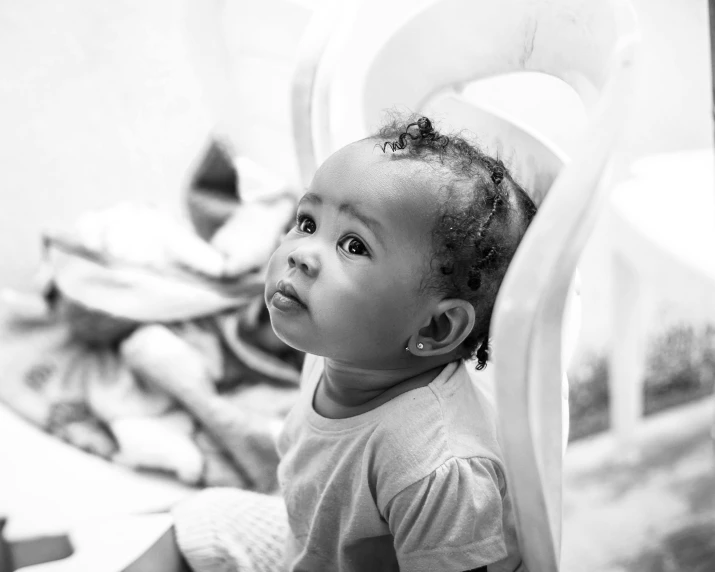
{"points": [[452, 519]]}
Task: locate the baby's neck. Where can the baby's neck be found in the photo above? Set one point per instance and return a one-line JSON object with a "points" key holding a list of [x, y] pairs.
{"points": [[345, 390]]}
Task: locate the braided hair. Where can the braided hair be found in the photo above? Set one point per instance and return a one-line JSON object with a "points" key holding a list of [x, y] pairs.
{"points": [[480, 224]]}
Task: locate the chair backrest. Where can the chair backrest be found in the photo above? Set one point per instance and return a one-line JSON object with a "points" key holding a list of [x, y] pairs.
{"points": [[419, 56], [531, 159]]}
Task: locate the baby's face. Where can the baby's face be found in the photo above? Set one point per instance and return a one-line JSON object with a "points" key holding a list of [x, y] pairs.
{"points": [[345, 281]]}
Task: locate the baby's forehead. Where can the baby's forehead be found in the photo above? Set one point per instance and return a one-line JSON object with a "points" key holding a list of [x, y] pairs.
{"points": [[388, 189], [362, 164]]}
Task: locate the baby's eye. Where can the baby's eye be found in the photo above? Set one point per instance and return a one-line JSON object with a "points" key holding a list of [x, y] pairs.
{"points": [[353, 246], [305, 224]]}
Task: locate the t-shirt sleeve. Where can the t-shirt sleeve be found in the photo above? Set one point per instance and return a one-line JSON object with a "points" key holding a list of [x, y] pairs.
{"points": [[451, 520]]}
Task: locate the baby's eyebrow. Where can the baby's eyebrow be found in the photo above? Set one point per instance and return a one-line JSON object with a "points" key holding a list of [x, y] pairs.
{"points": [[373, 224], [310, 198]]}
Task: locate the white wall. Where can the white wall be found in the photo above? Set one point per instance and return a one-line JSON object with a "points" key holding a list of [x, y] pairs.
{"points": [[108, 101], [673, 91], [98, 104]]}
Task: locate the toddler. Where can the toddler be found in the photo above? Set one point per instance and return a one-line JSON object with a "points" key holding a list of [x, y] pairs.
{"points": [[389, 459]]}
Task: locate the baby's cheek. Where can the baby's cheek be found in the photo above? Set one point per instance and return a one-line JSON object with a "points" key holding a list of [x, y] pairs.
{"points": [[391, 308], [278, 260], [370, 300]]}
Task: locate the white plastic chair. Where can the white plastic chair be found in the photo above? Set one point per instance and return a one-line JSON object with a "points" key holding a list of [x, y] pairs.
{"points": [[644, 241], [419, 57]]}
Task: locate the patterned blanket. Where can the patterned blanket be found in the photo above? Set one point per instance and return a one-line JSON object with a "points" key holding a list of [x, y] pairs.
{"points": [[130, 269]]}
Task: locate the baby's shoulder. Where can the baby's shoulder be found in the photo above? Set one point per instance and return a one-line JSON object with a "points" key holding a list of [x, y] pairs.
{"points": [[411, 426], [427, 428]]}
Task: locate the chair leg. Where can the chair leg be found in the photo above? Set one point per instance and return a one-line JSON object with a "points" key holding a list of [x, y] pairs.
{"points": [[626, 354]]}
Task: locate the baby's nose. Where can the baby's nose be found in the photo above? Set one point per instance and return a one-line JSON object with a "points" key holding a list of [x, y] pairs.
{"points": [[306, 262]]}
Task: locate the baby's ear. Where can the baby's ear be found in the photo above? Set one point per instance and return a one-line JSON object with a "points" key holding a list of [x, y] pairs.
{"points": [[451, 322]]}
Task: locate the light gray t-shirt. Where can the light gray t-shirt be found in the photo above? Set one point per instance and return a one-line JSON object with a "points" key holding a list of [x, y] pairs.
{"points": [[415, 484]]}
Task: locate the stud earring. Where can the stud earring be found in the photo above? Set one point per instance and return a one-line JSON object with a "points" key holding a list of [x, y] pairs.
{"points": [[420, 346]]}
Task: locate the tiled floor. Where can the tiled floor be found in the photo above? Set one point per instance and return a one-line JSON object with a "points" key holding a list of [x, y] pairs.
{"points": [[647, 509]]}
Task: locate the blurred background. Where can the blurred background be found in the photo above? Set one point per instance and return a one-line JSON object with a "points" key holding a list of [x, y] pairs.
{"points": [[109, 103], [102, 103]]}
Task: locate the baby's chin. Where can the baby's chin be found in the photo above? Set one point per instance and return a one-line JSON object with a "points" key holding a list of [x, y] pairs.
{"points": [[298, 338], [315, 346], [291, 334]]}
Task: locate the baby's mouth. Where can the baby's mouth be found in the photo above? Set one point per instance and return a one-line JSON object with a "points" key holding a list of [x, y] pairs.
{"points": [[286, 298]]}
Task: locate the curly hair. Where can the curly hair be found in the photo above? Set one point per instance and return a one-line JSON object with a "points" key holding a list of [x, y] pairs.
{"points": [[479, 227]]}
